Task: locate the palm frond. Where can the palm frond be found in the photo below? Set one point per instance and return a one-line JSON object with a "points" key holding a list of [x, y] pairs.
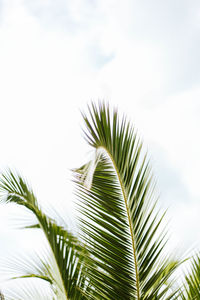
{"points": [[119, 220], [191, 286], [66, 273]]}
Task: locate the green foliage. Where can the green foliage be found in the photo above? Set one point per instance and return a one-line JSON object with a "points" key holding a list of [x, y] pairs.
{"points": [[120, 253], [64, 268], [191, 287], [119, 220]]}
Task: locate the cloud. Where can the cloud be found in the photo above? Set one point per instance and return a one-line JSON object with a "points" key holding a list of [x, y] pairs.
{"points": [[106, 29], [176, 196], [171, 28], [65, 16], [174, 25]]}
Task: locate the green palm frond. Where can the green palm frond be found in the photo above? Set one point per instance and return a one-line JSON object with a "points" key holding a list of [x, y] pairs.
{"points": [[119, 219], [191, 287], [66, 271]]}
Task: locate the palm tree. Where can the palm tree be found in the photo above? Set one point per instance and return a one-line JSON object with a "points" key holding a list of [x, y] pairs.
{"points": [[120, 253]]}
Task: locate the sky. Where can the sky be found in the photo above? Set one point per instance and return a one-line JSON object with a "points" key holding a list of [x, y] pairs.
{"points": [[141, 56]]}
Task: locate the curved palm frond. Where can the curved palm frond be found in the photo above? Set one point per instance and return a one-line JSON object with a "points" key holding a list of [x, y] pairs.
{"points": [[65, 270], [191, 287], [119, 220]]}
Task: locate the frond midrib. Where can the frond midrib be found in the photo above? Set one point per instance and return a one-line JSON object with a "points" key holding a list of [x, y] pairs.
{"points": [[128, 216]]}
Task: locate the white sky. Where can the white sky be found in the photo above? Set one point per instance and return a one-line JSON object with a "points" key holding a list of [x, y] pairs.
{"points": [[142, 56]]}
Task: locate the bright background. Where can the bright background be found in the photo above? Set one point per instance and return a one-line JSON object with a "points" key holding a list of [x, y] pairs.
{"points": [[141, 56]]}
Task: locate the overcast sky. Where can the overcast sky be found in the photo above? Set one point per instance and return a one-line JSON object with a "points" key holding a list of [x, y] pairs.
{"points": [[140, 55]]}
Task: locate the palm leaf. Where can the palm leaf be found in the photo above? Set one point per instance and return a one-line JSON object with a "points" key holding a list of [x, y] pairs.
{"points": [[191, 287], [66, 271], [119, 218]]}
